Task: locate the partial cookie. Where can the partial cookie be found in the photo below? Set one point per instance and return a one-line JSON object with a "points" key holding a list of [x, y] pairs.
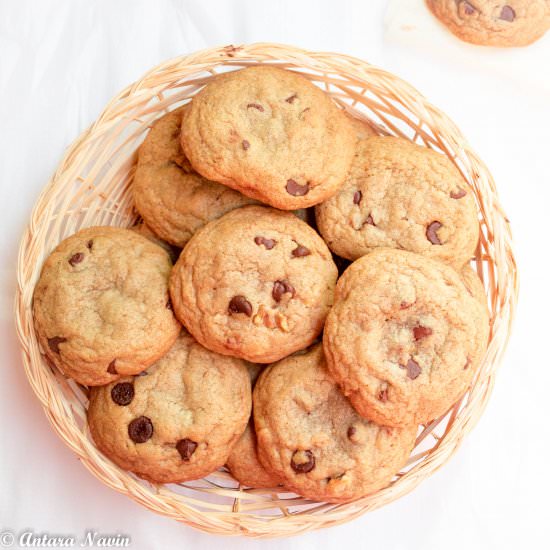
{"points": [[311, 436], [243, 462], [493, 23], [404, 337], [143, 229], [401, 195], [256, 283], [176, 421], [101, 305], [473, 284], [171, 197], [271, 134]]}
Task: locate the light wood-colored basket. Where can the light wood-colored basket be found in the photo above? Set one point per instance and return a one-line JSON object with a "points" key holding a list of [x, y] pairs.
{"points": [[92, 187]]}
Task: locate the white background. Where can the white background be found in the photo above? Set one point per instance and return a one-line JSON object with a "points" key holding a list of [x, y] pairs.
{"points": [[61, 61]]}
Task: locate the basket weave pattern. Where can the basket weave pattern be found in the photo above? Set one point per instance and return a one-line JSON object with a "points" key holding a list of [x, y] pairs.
{"points": [[92, 187]]}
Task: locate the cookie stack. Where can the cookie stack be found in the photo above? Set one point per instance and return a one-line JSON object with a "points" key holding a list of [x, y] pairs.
{"points": [[262, 191]]}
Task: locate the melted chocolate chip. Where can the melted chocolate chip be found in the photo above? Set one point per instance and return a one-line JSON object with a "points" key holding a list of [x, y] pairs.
{"points": [[468, 8], [382, 395], [246, 144], [76, 258], [431, 232], [54, 342], [369, 221], [508, 14], [280, 288], [351, 431], [291, 98], [186, 448], [413, 368], [123, 394], [140, 429], [239, 304], [421, 332], [111, 369], [302, 462], [458, 194], [255, 106], [405, 305], [268, 243], [295, 189], [300, 251], [357, 196], [89, 244]]}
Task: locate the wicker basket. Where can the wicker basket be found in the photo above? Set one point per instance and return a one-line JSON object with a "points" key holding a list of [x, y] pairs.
{"points": [[92, 187]]}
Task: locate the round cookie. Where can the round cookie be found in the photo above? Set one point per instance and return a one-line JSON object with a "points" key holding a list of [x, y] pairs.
{"points": [[311, 436], [243, 462], [494, 23], [256, 283], [271, 134], [101, 305], [401, 195], [170, 196], [404, 337], [178, 420]]}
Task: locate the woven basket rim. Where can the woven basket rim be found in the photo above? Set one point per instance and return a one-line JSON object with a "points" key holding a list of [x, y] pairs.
{"points": [[357, 86]]}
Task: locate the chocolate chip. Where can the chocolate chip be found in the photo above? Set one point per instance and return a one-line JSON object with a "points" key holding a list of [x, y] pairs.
{"points": [[351, 431], [186, 448], [405, 305], [369, 221], [255, 106], [468, 8], [300, 251], [76, 258], [291, 98], [54, 342], [413, 368], [508, 14], [421, 332], [280, 288], [431, 232], [458, 194], [111, 369], [382, 395], [302, 462], [295, 189], [140, 429], [357, 196], [89, 244], [268, 243], [123, 393], [468, 361], [246, 144], [239, 304]]}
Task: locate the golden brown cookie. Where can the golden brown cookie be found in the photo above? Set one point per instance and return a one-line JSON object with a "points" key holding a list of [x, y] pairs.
{"points": [[271, 134], [492, 22], [177, 420], [101, 305], [311, 436], [256, 283], [401, 195], [171, 197], [404, 337]]}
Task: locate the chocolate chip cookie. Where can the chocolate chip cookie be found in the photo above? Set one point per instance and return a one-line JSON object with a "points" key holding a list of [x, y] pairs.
{"points": [[170, 196], [494, 23], [243, 462], [256, 283], [271, 134], [177, 420], [404, 337], [311, 436], [101, 305], [401, 195]]}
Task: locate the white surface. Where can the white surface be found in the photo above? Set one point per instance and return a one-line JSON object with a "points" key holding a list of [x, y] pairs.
{"points": [[60, 62]]}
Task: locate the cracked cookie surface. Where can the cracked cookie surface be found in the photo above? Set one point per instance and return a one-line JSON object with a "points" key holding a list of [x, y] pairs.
{"points": [[173, 199], [311, 436], [271, 134], [494, 23], [101, 306], [256, 283], [401, 195], [404, 337], [176, 421]]}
